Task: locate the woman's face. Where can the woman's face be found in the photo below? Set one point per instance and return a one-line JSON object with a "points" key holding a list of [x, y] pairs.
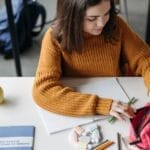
{"points": [[96, 18]]}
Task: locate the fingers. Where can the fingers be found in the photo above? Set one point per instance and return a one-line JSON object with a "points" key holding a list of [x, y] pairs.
{"points": [[125, 110], [121, 110], [117, 115]]}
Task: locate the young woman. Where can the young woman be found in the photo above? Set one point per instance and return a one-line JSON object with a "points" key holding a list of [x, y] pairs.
{"points": [[87, 39]]}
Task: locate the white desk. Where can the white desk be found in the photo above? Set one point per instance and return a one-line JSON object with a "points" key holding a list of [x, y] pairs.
{"points": [[19, 109], [135, 87]]}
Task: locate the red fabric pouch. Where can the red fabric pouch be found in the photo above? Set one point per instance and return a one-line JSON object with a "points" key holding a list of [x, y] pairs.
{"points": [[140, 128]]}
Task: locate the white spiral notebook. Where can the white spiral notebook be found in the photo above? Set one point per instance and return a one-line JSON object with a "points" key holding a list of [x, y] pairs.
{"points": [[104, 87]]}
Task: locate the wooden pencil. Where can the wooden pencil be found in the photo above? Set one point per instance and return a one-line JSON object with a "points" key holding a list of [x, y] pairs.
{"points": [[104, 145]]}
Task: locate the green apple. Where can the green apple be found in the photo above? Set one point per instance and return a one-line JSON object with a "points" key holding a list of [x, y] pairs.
{"points": [[1, 95]]}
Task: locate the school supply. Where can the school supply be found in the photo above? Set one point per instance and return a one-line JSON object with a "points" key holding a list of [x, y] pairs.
{"points": [[104, 145], [119, 141], [140, 128], [25, 22], [125, 141], [87, 139], [1, 95], [104, 87], [17, 137]]}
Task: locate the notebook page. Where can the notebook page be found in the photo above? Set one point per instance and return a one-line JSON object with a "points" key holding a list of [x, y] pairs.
{"points": [[103, 87], [55, 123]]}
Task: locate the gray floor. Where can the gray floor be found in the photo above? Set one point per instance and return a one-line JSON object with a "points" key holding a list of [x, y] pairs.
{"points": [[137, 19]]}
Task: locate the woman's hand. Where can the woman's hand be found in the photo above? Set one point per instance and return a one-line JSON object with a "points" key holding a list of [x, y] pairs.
{"points": [[121, 110]]}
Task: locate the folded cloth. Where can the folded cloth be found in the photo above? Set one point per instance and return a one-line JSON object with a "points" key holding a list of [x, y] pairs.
{"points": [[140, 128]]}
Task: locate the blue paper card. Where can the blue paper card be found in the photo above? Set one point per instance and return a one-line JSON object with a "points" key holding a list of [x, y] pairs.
{"points": [[17, 137]]}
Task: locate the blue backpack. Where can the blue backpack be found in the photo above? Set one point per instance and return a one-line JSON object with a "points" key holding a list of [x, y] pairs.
{"points": [[35, 10]]}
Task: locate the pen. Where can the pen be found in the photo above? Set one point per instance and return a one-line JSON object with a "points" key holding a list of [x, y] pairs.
{"points": [[119, 141]]}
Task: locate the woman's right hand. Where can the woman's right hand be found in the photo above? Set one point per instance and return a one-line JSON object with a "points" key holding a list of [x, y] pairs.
{"points": [[121, 110]]}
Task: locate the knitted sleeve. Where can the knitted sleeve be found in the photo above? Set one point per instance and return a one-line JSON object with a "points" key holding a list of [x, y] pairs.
{"points": [[136, 51], [50, 94]]}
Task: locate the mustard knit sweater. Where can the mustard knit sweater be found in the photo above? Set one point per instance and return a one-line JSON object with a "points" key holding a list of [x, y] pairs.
{"points": [[98, 58]]}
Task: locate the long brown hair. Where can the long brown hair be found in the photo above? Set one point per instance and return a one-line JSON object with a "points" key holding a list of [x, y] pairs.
{"points": [[68, 23]]}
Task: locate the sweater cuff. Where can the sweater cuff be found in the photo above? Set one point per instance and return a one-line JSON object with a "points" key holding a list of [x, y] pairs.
{"points": [[103, 106]]}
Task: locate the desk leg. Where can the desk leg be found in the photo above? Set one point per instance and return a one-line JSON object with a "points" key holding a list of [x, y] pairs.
{"points": [[13, 37], [148, 24]]}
